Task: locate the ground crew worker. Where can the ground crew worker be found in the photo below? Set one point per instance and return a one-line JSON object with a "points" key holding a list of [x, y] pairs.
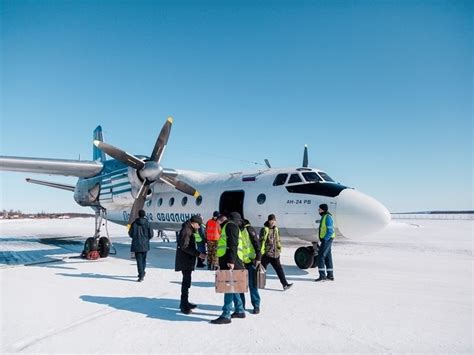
{"points": [[252, 257], [200, 237], [271, 248], [213, 232], [229, 259], [186, 254], [141, 232], [326, 236]]}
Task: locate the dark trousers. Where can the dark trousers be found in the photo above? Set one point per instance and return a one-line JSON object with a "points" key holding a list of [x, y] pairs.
{"points": [[185, 285], [325, 259], [140, 256], [275, 262]]}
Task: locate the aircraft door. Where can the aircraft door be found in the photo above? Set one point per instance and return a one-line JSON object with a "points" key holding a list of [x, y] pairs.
{"points": [[232, 201]]}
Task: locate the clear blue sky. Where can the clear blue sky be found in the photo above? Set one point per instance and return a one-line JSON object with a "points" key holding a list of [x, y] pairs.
{"points": [[381, 91]]}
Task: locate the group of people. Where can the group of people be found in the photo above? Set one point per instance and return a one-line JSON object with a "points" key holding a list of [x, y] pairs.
{"points": [[229, 242]]}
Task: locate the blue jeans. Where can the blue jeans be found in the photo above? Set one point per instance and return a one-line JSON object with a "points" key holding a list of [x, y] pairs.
{"points": [[254, 295], [325, 258], [230, 298]]}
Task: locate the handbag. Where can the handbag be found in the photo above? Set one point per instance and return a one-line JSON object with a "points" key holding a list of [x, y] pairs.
{"points": [[260, 275]]}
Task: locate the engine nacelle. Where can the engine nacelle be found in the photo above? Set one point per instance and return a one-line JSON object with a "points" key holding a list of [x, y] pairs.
{"points": [[87, 192]]}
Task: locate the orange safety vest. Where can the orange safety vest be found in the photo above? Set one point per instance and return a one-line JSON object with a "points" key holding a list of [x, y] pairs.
{"points": [[213, 230]]}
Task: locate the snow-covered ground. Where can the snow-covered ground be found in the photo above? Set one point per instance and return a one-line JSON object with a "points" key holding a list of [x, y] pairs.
{"points": [[405, 289]]}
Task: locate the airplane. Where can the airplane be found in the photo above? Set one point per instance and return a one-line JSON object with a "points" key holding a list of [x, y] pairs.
{"points": [[116, 189]]}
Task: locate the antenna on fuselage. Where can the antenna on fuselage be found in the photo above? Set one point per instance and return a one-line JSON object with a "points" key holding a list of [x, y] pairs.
{"points": [[305, 156], [267, 163]]}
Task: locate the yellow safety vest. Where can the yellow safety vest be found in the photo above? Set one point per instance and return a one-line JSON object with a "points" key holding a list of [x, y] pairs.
{"points": [[266, 231], [323, 227], [197, 237], [247, 246], [222, 243]]}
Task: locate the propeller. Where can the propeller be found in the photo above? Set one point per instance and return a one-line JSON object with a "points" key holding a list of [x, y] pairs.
{"points": [[305, 156], [150, 170]]}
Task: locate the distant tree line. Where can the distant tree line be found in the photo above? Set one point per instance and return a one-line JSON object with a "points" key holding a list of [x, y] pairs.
{"points": [[17, 214]]}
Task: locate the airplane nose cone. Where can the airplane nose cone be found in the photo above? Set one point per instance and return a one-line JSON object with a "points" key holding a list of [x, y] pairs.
{"points": [[358, 214]]}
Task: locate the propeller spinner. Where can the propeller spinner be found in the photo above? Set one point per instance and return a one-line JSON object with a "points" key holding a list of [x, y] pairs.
{"points": [[149, 171]]}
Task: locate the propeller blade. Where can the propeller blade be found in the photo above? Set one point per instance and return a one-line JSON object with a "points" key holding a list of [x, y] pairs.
{"points": [[305, 156], [120, 155], [180, 185], [139, 202], [161, 141]]}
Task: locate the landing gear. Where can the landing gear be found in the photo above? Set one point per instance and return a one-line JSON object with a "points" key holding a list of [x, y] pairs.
{"points": [[163, 236], [306, 257], [104, 247], [97, 246]]}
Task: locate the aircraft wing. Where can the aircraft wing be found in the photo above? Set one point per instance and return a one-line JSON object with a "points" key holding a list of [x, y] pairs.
{"points": [[79, 168]]}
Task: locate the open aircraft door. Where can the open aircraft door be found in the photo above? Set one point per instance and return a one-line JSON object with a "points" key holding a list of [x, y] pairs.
{"points": [[232, 201]]}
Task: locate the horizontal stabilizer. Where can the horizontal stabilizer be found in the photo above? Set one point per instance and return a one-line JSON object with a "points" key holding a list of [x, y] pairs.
{"points": [[51, 184], [79, 168]]}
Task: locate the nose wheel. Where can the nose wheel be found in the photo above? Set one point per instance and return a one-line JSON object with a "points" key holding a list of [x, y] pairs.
{"points": [[306, 257]]}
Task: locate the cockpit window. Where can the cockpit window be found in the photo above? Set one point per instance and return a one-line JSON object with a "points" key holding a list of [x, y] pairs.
{"points": [[312, 176], [326, 177], [280, 179], [294, 178]]}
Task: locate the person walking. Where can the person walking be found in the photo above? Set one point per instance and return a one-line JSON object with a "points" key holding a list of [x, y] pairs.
{"points": [[326, 236], [213, 232], [252, 257], [186, 254], [271, 249], [141, 232], [230, 259]]}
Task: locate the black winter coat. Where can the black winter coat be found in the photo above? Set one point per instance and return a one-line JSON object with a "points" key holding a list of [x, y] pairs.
{"points": [[186, 252], [232, 232], [141, 233]]}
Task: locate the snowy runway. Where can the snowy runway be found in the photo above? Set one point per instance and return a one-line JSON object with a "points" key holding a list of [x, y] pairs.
{"points": [[406, 289]]}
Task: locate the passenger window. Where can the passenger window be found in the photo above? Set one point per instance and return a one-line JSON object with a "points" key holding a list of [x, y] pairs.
{"points": [[280, 179], [312, 176], [294, 178], [199, 200], [261, 199]]}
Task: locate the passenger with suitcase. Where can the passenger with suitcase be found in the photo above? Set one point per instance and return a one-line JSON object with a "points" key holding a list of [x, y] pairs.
{"points": [[252, 257]]}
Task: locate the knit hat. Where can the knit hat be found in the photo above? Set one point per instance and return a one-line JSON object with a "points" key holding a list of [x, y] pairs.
{"points": [[141, 213], [216, 214], [196, 219], [324, 207], [271, 217], [236, 217]]}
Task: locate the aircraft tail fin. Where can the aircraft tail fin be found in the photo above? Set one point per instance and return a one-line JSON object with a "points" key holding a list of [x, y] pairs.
{"points": [[98, 155]]}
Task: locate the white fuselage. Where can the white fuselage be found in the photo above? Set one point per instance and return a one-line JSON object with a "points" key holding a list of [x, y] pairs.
{"points": [[255, 195]]}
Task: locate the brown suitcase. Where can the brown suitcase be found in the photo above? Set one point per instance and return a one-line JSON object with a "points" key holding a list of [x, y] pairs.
{"points": [[232, 281], [260, 276]]}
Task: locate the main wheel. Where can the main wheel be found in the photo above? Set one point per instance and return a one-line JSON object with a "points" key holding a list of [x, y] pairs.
{"points": [[303, 257], [315, 257], [90, 245], [104, 247]]}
